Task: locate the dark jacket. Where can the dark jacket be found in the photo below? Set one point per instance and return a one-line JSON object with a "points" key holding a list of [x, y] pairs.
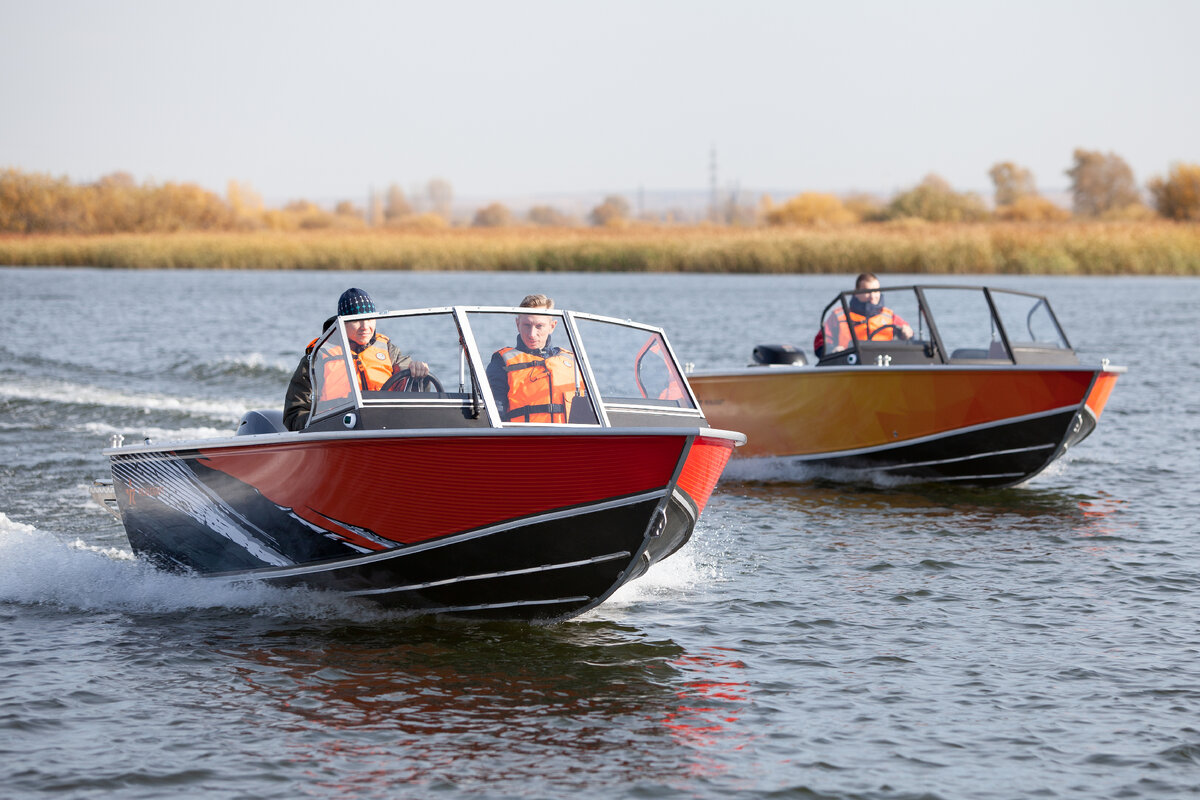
{"points": [[297, 403]]}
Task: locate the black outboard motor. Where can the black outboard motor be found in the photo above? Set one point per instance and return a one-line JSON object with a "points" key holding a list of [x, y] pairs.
{"points": [[267, 420], [779, 354]]}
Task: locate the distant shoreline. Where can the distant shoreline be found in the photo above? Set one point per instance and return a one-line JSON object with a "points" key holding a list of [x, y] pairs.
{"points": [[1065, 248]]}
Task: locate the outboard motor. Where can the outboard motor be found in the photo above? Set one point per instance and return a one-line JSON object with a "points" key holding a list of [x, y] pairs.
{"points": [[779, 354], [268, 420]]}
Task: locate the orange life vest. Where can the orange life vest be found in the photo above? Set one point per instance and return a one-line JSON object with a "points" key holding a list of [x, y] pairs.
{"points": [[864, 327], [539, 389], [373, 365]]}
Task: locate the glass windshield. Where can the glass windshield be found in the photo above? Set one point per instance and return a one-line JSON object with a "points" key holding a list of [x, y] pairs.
{"points": [[632, 365], [531, 367], [965, 323], [421, 343], [1028, 321], [330, 373], [875, 317], [414, 357]]}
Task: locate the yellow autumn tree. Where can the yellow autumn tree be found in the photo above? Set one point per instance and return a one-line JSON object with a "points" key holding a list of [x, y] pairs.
{"points": [[1178, 197], [812, 209]]}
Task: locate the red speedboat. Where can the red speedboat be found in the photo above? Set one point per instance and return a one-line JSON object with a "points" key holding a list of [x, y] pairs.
{"points": [[424, 498], [986, 390]]}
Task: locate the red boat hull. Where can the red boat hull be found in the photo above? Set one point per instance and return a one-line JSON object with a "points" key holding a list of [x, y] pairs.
{"points": [[494, 523]]}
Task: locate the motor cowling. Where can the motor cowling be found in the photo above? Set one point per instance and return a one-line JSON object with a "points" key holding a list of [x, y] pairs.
{"points": [[779, 354]]}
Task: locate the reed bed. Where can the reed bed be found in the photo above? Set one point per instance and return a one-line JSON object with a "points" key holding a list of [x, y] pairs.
{"points": [[1073, 248]]}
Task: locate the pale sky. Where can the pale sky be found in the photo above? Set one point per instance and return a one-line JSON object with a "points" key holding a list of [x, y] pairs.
{"points": [[321, 100]]}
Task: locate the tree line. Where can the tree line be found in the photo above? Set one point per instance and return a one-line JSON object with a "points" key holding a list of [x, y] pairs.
{"points": [[1102, 187]]}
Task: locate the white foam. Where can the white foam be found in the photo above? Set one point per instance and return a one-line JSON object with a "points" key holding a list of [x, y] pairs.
{"points": [[30, 389], [36, 567], [674, 577], [157, 434], [784, 470], [258, 361]]}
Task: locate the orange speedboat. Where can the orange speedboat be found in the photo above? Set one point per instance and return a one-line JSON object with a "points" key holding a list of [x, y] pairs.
{"points": [[971, 385]]}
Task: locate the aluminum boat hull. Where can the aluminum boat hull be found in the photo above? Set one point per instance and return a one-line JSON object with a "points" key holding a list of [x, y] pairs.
{"points": [[977, 425], [494, 523]]}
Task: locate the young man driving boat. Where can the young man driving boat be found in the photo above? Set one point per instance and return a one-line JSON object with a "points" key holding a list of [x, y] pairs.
{"points": [[376, 360], [872, 321], [534, 381]]}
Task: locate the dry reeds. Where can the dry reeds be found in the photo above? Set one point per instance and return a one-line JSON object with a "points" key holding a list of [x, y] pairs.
{"points": [[1149, 247]]}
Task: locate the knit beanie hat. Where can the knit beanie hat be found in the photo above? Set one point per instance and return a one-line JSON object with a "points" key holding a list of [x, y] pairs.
{"points": [[355, 301]]}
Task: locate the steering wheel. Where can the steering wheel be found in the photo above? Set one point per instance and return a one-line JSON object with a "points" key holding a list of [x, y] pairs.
{"points": [[895, 331], [426, 383]]}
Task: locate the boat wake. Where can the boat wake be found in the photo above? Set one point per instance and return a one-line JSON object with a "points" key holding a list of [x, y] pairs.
{"points": [[249, 365], [783, 470], [87, 395], [39, 568], [156, 434]]}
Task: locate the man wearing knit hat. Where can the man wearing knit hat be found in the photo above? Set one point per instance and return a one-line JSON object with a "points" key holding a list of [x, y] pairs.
{"points": [[376, 359]]}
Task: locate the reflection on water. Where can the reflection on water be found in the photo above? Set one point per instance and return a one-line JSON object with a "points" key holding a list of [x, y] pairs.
{"points": [[823, 501], [435, 703], [708, 717]]}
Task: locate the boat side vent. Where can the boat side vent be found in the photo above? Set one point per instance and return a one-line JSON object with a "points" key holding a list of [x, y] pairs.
{"points": [[350, 420]]}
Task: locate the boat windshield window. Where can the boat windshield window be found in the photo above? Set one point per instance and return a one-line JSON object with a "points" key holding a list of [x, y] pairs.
{"points": [[965, 323], [330, 376], [878, 322], [632, 365], [432, 339], [1028, 320], [540, 382]]}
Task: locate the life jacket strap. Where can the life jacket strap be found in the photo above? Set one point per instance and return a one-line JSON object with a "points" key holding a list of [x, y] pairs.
{"points": [[527, 411]]}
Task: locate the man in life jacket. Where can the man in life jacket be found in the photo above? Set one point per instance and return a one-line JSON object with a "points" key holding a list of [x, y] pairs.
{"points": [[535, 381], [871, 320], [376, 359]]}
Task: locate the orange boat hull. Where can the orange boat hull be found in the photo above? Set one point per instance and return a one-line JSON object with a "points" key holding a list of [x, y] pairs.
{"points": [[981, 425]]}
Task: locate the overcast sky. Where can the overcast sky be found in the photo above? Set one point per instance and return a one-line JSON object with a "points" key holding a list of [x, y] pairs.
{"points": [[321, 100]]}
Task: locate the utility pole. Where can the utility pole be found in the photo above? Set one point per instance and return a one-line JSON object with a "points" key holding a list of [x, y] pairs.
{"points": [[713, 207]]}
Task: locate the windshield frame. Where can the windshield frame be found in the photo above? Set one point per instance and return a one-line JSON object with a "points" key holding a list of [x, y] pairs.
{"points": [[478, 392], [929, 317]]}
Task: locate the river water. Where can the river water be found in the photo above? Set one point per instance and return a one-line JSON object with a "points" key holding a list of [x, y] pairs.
{"points": [[814, 640]]}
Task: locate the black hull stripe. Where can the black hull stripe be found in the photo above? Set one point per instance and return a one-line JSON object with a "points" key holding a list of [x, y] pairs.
{"points": [[413, 587], [932, 438], [959, 459], [402, 550], [513, 604]]}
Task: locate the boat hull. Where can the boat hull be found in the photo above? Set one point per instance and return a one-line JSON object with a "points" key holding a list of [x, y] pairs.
{"points": [[984, 426], [492, 524]]}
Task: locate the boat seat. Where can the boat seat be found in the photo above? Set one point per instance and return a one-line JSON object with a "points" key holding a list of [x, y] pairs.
{"points": [[994, 351], [267, 420]]}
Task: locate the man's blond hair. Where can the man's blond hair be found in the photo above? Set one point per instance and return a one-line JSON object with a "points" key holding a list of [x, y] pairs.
{"points": [[537, 301]]}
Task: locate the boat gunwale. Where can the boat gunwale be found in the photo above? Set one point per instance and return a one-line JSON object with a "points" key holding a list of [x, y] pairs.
{"points": [[325, 437], [793, 369]]}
